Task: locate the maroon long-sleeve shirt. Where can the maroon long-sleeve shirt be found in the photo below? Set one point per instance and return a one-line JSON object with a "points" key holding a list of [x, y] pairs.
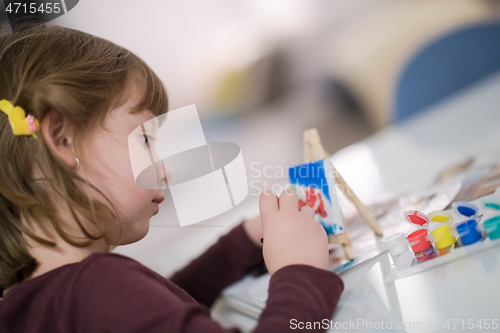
{"points": [[108, 292]]}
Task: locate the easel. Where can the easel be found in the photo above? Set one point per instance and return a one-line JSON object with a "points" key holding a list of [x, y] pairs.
{"points": [[313, 151]]}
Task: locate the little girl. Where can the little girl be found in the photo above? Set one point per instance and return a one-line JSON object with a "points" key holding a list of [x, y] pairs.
{"points": [[69, 101]]}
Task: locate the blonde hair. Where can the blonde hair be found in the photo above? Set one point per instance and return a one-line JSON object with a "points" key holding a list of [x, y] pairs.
{"points": [[82, 77]]}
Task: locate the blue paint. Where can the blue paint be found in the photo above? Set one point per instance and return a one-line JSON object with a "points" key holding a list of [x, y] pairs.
{"points": [[331, 229], [311, 182], [310, 174], [328, 228], [466, 211], [468, 232], [345, 266]]}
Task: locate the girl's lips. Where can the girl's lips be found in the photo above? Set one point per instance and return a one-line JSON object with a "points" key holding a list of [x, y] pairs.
{"points": [[157, 202], [157, 205]]}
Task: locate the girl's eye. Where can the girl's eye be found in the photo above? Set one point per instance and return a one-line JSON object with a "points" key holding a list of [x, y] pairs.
{"points": [[148, 139]]}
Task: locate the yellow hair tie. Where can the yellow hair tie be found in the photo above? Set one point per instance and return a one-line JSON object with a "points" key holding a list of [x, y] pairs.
{"points": [[20, 123]]}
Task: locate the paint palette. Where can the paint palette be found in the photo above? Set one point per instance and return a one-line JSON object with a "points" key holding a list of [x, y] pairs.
{"points": [[315, 186], [443, 236]]}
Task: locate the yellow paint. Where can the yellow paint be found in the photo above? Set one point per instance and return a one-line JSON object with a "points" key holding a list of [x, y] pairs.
{"points": [[442, 237], [440, 218]]}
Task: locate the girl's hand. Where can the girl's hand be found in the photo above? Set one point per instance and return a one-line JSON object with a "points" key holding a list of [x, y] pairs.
{"points": [[253, 229], [291, 236]]}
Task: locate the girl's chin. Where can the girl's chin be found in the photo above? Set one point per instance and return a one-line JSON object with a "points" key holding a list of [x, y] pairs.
{"points": [[136, 234]]}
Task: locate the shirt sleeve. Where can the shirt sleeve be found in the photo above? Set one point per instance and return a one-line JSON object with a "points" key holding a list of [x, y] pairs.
{"points": [[115, 294], [300, 294], [225, 262]]}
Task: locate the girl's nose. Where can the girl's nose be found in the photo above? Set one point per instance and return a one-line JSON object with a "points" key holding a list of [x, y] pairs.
{"points": [[163, 175]]}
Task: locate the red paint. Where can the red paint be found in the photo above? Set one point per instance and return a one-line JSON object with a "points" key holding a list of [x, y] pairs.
{"points": [[419, 240], [417, 218], [313, 197]]}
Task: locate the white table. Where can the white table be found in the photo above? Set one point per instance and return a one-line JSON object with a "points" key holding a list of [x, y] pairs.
{"points": [[399, 159]]}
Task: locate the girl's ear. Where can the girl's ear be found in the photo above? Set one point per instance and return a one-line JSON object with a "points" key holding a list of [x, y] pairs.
{"points": [[58, 135]]}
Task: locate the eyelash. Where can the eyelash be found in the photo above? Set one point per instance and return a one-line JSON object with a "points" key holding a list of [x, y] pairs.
{"points": [[147, 139]]}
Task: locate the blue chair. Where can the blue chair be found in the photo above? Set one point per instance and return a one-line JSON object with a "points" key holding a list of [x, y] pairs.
{"points": [[446, 65]]}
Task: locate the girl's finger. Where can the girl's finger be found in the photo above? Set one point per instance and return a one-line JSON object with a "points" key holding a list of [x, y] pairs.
{"points": [[268, 203], [288, 200], [308, 211]]}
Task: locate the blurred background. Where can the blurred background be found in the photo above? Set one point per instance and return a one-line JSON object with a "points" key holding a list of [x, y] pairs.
{"points": [[260, 72]]}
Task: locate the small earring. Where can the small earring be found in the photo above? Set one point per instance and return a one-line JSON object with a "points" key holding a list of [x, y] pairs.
{"points": [[77, 163]]}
